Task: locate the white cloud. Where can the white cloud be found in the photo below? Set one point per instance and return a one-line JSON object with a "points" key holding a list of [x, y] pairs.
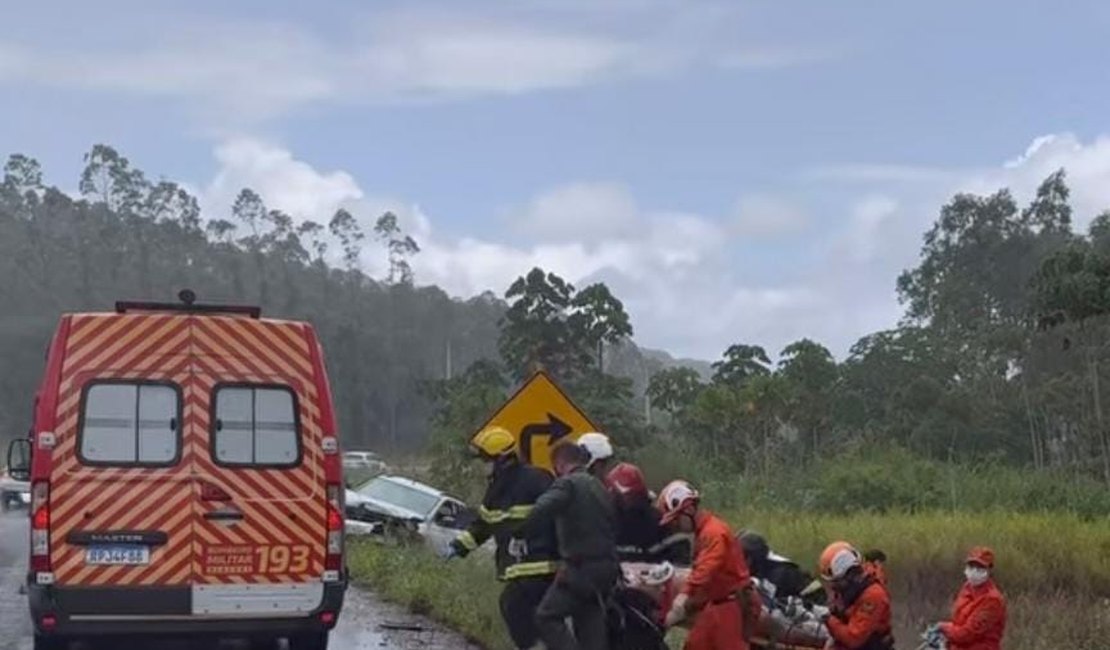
{"points": [[239, 72], [577, 212], [881, 173], [460, 58], [765, 216], [1087, 166], [869, 218], [290, 185], [771, 57], [692, 283]]}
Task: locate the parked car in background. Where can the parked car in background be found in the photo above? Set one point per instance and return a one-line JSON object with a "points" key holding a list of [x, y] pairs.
{"points": [[13, 494], [396, 501], [365, 461]]}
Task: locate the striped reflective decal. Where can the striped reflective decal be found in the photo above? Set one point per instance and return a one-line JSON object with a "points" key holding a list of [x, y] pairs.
{"points": [[282, 508]]}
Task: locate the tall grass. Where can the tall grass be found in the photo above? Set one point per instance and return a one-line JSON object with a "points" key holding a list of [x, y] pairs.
{"points": [[1051, 534], [1055, 569], [885, 479]]}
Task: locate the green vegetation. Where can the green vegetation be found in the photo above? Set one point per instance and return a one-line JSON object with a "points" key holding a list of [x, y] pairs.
{"points": [[1055, 570], [980, 418], [461, 594]]}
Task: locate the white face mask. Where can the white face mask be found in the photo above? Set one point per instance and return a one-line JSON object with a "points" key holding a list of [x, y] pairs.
{"points": [[976, 575]]}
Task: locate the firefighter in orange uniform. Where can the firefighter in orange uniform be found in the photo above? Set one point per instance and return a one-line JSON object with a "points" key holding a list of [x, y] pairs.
{"points": [[719, 586], [979, 613], [860, 616]]}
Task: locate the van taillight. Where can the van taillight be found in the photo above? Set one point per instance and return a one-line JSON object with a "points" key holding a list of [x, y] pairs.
{"points": [[40, 527], [333, 561]]}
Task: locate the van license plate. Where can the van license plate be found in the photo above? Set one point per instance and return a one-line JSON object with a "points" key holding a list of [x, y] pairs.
{"points": [[117, 554]]}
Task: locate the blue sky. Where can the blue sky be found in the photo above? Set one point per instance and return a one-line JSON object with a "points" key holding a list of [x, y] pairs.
{"points": [[738, 171]]}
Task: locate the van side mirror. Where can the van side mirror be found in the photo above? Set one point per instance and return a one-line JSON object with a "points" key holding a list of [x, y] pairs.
{"points": [[19, 459]]}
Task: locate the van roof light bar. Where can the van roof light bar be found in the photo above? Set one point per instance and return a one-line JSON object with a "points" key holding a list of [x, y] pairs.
{"points": [[188, 305]]}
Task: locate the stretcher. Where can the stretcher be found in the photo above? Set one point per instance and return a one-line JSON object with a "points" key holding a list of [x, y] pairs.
{"points": [[789, 625]]}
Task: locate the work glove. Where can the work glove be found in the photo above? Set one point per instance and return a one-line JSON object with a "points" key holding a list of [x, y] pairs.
{"points": [[677, 614], [933, 637], [518, 548]]}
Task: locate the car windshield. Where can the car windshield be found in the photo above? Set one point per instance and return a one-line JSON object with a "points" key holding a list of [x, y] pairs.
{"points": [[399, 495]]}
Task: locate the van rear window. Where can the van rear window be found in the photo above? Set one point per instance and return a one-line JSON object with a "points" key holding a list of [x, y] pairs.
{"points": [[130, 423], [255, 426]]}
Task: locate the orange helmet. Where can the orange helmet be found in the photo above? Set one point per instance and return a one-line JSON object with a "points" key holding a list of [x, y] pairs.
{"points": [[678, 497], [837, 559]]}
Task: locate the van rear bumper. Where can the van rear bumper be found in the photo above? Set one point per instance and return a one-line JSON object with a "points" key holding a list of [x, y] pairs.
{"points": [[97, 611]]}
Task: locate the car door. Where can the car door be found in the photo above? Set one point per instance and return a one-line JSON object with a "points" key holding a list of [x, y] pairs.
{"points": [[447, 522]]}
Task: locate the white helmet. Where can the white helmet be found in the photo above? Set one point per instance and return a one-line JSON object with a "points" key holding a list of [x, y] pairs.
{"points": [[597, 445]]}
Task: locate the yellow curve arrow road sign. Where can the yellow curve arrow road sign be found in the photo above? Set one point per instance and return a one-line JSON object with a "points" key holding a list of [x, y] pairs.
{"points": [[540, 414]]}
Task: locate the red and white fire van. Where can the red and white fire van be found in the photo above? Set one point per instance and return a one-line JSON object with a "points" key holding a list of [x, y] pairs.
{"points": [[185, 478]]}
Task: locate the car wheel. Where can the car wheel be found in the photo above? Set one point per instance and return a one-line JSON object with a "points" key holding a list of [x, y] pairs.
{"points": [[309, 641], [50, 643]]}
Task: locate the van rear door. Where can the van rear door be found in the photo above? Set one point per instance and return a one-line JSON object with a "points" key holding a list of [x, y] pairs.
{"points": [[261, 506], [120, 487]]}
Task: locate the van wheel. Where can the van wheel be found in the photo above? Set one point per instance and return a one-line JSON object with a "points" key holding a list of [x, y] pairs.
{"points": [[309, 641], [50, 643]]}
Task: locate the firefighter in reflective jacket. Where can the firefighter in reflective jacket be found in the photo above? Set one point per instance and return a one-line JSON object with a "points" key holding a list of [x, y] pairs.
{"points": [[860, 616], [526, 568]]}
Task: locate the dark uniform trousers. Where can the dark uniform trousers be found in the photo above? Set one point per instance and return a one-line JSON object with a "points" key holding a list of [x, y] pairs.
{"points": [[580, 593]]}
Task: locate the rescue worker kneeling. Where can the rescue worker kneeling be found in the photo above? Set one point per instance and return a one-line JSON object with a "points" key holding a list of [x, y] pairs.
{"points": [[860, 616], [786, 578], [528, 568], [584, 518], [718, 588]]}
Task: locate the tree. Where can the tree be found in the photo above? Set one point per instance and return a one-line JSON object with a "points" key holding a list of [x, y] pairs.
{"points": [[169, 202], [314, 232], [535, 333], [674, 390], [812, 373], [109, 178], [599, 318], [249, 210], [344, 227], [22, 185], [60, 254], [399, 246], [462, 403], [740, 363]]}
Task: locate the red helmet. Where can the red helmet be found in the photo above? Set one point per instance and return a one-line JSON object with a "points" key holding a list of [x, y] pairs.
{"points": [[626, 480]]}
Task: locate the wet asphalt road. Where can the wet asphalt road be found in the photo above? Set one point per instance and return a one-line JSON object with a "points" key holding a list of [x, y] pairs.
{"points": [[360, 623]]}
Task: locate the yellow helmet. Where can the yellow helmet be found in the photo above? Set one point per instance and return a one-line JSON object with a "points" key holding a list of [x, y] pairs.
{"points": [[494, 442]]}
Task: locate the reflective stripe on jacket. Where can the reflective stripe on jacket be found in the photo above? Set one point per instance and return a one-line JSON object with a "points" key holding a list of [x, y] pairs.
{"points": [[510, 497]]}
